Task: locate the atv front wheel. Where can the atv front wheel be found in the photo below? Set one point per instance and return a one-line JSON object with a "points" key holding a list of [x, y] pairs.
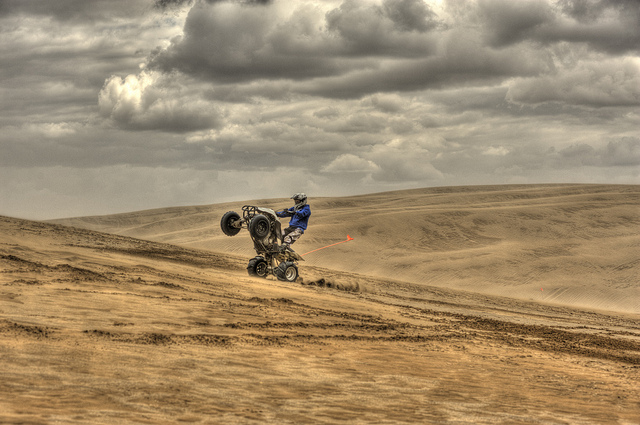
{"points": [[287, 271], [259, 227], [258, 267], [226, 224]]}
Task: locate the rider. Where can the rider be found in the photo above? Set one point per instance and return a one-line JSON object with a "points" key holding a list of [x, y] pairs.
{"points": [[299, 214]]}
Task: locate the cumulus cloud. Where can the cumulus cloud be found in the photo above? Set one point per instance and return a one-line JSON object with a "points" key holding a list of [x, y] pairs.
{"points": [[349, 163], [51, 130], [57, 55], [397, 160], [396, 28], [145, 101], [357, 48], [405, 160], [228, 41], [496, 150]]}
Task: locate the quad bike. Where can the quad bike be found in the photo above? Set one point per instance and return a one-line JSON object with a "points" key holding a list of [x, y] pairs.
{"points": [[266, 232]]}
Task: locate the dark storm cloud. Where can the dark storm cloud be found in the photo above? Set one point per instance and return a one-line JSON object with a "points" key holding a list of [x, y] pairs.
{"points": [[359, 48], [76, 10], [395, 29], [243, 2], [411, 15], [589, 11], [170, 4], [464, 62], [227, 42], [510, 22], [608, 26], [173, 4]]}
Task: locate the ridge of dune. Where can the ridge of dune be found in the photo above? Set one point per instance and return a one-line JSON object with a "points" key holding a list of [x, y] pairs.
{"points": [[570, 244]]}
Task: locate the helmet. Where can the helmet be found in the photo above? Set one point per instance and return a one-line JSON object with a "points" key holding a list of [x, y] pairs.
{"points": [[300, 199]]}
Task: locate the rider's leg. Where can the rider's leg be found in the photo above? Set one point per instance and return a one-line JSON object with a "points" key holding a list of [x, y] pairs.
{"points": [[292, 235]]}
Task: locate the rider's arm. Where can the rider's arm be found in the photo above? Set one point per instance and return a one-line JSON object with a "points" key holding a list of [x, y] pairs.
{"points": [[305, 212], [285, 213]]}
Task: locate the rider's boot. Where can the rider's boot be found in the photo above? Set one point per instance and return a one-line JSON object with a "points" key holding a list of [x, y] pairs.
{"points": [[285, 247]]}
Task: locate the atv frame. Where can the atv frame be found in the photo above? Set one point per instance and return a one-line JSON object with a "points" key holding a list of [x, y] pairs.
{"points": [[265, 230]]}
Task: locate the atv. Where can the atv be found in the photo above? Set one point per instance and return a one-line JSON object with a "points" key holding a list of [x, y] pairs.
{"points": [[266, 232]]}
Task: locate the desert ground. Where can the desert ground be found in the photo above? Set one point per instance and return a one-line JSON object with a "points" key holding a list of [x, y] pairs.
{"points": [[504, 304]]}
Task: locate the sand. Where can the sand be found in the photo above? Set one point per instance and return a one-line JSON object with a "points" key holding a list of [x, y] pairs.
{"points": [[573, 245], [417, 320]]}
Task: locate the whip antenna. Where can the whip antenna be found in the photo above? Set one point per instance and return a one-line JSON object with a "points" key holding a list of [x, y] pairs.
{"points": [[349, 238]]}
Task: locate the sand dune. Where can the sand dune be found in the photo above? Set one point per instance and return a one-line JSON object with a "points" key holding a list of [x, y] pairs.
{"points": [[98, 328], [101, 329], [568, 244]]}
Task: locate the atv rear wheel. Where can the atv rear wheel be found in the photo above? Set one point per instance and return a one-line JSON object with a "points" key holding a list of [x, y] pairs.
{"points": [[287, 271], [259, 227], [258, 267], [226, 224]]}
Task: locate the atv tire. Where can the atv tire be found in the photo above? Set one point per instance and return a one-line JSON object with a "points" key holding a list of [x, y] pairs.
{"points": [[259, 227], [287, 271], [258, 266], [226, 224]]}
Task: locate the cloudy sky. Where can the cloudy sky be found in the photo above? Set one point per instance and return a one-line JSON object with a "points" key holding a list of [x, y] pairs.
{"points": [[120, 105]]}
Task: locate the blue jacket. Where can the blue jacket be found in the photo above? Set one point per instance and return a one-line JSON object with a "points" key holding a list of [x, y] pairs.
{"points": [[299, 219]]}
